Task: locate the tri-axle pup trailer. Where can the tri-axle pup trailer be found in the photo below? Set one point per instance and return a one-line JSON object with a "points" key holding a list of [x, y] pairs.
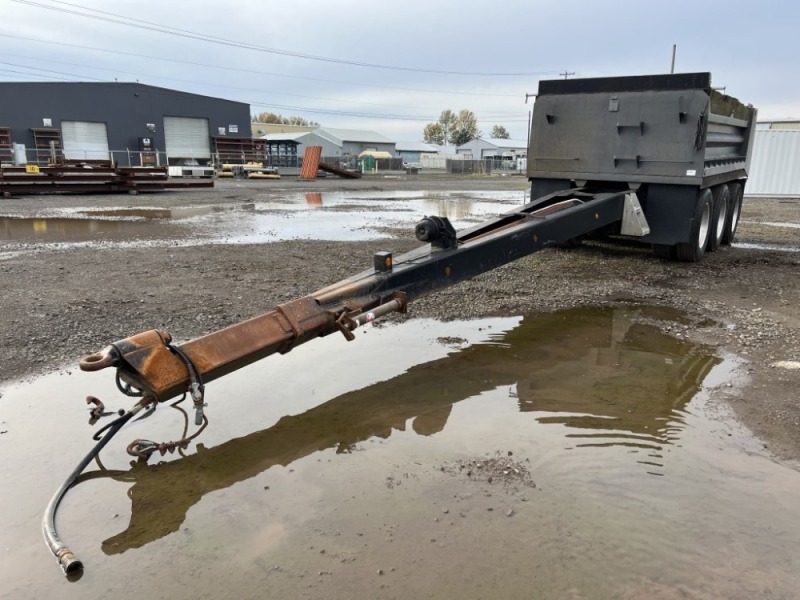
{"points": [[659, 158], [681, 146]]}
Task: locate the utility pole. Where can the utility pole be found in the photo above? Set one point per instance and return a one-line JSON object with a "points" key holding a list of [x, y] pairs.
{"points": [[529, 131], [674, 48], [529, 118], [566, 74]]}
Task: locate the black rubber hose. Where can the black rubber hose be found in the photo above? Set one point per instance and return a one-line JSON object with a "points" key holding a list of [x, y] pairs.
{"points": [[65, 557]]}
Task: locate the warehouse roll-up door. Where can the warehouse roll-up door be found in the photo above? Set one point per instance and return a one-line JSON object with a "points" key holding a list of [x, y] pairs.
{"points": [[187, 137], [84, 140]]}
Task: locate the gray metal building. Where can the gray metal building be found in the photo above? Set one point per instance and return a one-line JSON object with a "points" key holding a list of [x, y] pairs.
{"points": [[343, 142], [127, 122], [412, 151], [496, 148]]}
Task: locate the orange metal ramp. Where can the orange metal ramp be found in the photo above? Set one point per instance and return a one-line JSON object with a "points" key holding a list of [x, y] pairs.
{"points": [[311, 162]]}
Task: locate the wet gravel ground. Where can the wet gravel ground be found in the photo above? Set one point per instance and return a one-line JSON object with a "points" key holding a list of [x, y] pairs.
{"points": [[62, 302], [501, 469]]}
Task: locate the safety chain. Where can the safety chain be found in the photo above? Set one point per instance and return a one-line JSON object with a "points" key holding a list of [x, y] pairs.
{"points": [[126, 388], [143, 449]]}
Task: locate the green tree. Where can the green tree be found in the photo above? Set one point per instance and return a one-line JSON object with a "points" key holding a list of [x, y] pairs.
{"points": [[454, 128], [448, 121], [466, 128], [499, 133], [433, 134]]}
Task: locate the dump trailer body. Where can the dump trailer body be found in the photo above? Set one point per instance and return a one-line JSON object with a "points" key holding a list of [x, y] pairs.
{"points": [[666, 136]]}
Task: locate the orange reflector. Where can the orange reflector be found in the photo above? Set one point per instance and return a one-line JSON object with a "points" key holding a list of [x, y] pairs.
{"points": [[382, 261]]}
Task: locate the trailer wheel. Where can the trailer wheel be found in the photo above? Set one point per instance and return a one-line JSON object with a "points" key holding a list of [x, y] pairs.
{"points": [[734, 212], [719, 216], [695, 248]]}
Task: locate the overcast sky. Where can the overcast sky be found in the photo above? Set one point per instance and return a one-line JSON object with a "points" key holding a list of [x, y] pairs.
{"points": [[394, 66]]}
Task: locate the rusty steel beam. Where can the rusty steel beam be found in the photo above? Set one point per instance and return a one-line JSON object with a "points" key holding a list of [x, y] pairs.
{"points": [[15, 180], [146, 362]]}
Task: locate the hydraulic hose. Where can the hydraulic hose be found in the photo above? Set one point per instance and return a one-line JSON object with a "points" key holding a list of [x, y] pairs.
{"points": [[67, 560]]}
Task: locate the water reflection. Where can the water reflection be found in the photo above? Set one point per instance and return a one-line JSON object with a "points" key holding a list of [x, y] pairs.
{"points": [[185, 212], [314, 199], [602, 376], [57, 229], [115, 223], [310, 215]]}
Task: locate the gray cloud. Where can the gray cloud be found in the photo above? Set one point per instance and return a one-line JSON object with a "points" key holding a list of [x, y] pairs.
{"points": [[752, 54]]}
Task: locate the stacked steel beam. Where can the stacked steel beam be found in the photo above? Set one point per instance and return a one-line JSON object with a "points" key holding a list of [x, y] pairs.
{"points": [[89, 179]]}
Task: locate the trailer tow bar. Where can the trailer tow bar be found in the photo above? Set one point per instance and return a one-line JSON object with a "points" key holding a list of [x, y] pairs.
{"points": [[149, 366]]}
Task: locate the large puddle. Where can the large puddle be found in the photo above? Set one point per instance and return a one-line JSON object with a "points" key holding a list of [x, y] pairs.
{"points": [[267, 218], [369, 469]]}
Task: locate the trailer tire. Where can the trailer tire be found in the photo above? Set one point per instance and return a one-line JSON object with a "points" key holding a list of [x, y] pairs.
{"points": [[695, 248], [719, 216], [734, 212]]}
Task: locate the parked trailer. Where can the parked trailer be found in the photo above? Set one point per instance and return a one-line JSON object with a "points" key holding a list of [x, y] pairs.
{"points": [[681, 146], [646, 157]]}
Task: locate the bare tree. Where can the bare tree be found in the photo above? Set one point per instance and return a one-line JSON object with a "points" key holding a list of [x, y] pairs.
{"points": [[270, 117]]}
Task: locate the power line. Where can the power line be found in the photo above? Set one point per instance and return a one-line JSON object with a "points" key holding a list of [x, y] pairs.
{"points": [[26, 74], [481, 119], [203, 83], [56, 73], [184, 33], [117, 19], [499, 117], [255, 72]]}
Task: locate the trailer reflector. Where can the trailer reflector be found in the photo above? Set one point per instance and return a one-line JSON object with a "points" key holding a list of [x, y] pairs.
{"points": [[382, 261]]}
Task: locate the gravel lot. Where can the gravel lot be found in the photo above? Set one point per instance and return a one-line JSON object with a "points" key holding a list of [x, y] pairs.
{"points": [[61, 302]]}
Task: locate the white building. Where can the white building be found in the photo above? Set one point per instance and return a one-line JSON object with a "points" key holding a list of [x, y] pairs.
{"points": [[775, 162], [338, 143]]}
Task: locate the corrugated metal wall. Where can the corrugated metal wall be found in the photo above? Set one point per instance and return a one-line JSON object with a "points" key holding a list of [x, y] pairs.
{"points": [[794, 125], [775, 165]]}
